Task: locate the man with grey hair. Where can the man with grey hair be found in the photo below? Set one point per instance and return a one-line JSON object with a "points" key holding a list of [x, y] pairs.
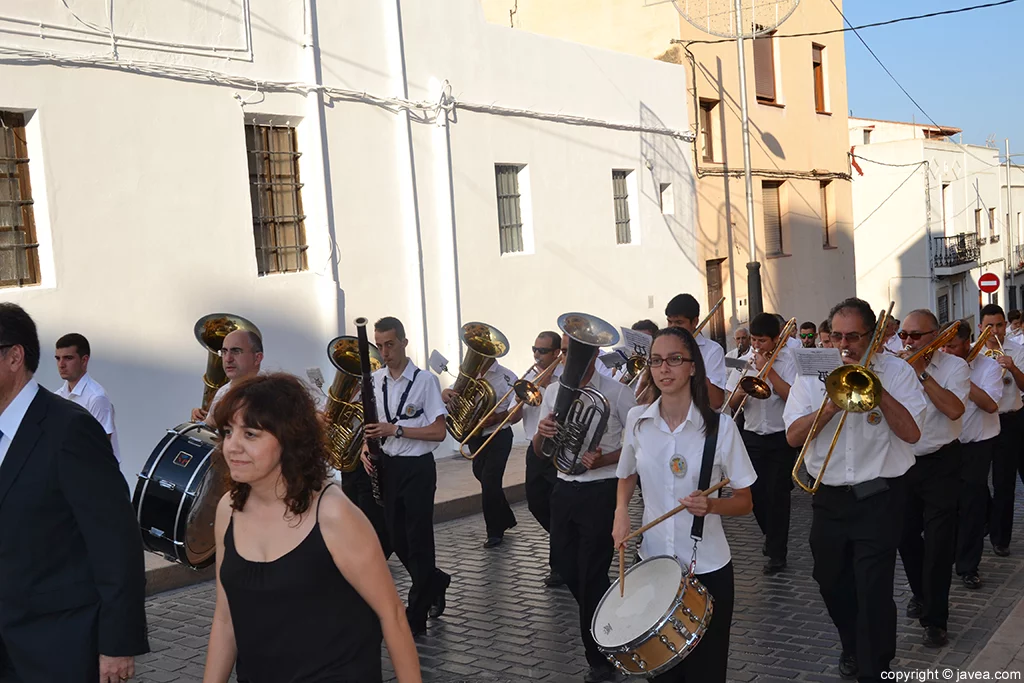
{"points": [[241, 355]]}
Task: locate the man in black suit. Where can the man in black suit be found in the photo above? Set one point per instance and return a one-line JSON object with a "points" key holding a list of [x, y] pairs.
{"points": [[72, 576]]}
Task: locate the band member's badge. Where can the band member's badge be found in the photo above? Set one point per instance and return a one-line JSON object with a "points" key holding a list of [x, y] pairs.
{"points": [[678, 465], [1006, 380], [411, 409], [874, 417]]}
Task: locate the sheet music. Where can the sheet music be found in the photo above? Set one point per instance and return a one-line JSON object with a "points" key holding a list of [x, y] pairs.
{"points": [[816, 361], [636, 342]]}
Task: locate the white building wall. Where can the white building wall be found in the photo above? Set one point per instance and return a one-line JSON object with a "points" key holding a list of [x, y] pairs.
{"points": [[142, 187]]}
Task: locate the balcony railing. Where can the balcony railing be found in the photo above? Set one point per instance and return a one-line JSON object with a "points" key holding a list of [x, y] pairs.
{"points": [[956, 250]]}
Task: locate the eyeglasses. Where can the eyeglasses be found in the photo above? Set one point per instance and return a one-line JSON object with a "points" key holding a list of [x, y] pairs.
{"points": [[673, 361], [538, 349], [808, 335], [851, 337], [902, 334]]}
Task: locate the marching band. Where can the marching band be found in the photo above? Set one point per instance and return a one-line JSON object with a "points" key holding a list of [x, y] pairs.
{"points": [[894, 443]]}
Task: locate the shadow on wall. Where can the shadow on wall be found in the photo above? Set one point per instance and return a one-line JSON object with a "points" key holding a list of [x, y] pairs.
{"points": [[666, 159]]}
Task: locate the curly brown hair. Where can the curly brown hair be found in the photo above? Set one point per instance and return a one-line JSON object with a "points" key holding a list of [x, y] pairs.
{"points": [[280, 404]]}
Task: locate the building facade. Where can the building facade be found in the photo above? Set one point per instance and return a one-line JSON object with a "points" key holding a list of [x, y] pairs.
{"points": [[303, 164], [931, 218], [798, 126]]}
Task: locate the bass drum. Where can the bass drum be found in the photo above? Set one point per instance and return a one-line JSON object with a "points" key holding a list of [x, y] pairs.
{"points": [[177, 494]]}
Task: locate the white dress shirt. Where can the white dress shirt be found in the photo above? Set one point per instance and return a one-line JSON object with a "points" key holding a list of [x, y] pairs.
{"points": [[714, 361], [732, 376], [604, 370], [765, 416], [620, 400], [648, 450], [894, 344], [867, 447], [89, 394], [1010, 400], [979, 425], [14, 413], [937, 430], [422, 407], [532, 414], [793, 343], [501, 380]]}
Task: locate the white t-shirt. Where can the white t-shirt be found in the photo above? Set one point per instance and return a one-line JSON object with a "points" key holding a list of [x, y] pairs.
{"points": [[89, 394], [422, 407], [714, 361], [1010, 400], [867, 447], [937, 430], [765, 416], [533, 414], [620, 400], [649, 449], [894, 344], [979, 425], [501, 380]]}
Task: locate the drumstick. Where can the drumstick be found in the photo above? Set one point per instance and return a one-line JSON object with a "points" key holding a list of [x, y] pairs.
{"points": [[674, 511]]}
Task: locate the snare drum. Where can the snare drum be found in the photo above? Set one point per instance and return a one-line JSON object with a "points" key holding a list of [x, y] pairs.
{"points": [[177, 494], [659, 621]]}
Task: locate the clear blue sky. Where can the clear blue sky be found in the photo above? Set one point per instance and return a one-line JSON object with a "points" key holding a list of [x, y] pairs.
{"points": [[965, 70]]}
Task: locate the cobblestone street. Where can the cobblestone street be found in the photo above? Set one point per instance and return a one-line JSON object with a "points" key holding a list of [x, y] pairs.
{"points": [[503, 625]]}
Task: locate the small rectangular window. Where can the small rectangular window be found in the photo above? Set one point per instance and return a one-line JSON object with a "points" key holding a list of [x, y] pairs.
{"points": [[620, 193], [977, 223], [867, 136], [825, 191], [992, 227], [275, 190], [764, 67], [707, 128], [772, 218], [666, 199], [19, 250], [818, 67], [943, 306], [510, 216]]}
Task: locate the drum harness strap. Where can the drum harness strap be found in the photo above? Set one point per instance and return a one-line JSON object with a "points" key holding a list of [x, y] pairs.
{"points": [[706, 464]]}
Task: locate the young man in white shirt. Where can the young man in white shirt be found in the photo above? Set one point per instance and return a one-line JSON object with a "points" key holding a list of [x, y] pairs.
{"points": [[978, 437], [72, 356], [541, 474], [1008, 458], [808, 335], [893, 344], [928, 548], [583, 506], [241, 355], [856, 522], [764, 435], [409, 403], [684, 311]]}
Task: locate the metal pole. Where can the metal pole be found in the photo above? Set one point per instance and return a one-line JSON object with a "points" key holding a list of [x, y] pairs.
{"points": [[755, 304], [1009, 222]]}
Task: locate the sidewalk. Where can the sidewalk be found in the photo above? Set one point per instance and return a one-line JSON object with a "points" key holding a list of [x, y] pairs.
{"points": [[1005, 649], [458, 495]]}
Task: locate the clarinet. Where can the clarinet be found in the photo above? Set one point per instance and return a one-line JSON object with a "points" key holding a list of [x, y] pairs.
{"points": [[369, 406]]}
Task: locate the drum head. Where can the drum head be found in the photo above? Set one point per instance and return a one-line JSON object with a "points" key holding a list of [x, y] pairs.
{"points": [[651, 589]]}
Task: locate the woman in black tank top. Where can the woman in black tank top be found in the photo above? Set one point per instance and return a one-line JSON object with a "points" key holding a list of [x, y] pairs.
{"points": [[303, 592]]}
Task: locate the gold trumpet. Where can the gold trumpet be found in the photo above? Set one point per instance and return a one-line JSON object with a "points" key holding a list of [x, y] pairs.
{"points": [[635, 366], [757, 386], [980, 344], [855, 389], [527, 393]]}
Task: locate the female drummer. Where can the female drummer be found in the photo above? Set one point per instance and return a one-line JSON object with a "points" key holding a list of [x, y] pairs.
{"points": [[664, 446], [303, 592]]}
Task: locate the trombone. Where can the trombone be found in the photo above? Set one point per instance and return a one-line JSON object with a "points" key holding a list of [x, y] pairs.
{"points": [[855, 389], [944, 337], [980, 345], [707, 318], [757, 386], [527, 393]]}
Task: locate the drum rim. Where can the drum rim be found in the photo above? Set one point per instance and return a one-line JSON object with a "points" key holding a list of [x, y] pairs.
{"points": [[629, 645]]}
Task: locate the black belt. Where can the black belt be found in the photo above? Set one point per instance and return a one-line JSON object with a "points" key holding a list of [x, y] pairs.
{"points": [[582, 484]]}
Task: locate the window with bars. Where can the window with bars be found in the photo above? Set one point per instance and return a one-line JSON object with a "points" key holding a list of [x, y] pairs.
{"points": [[510, 213], [278, 223], [764, 68], [818, 67], [772, 218], [943, 306], [19, 251], [620, 193]]}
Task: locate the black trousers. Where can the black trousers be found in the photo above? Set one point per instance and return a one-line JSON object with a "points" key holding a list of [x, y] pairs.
{"points": [[489, 470], [975, 459], [541, 476], [928, 546], [709, 661], [408, 485], [582, 514], [773, 460], [357, 486], [1007, 465], [853, 543]]}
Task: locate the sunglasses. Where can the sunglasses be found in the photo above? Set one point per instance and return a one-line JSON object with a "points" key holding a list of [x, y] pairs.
{"points": [[808, 335], [913, 335], [538, 349]]}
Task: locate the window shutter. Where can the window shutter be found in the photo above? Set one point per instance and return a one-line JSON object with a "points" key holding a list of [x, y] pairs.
{"points": [[764, 68], [772, 219]]}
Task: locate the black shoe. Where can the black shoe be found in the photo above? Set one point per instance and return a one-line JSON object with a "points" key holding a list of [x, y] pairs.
{"points": [[971, 580], [438, 605], [554, 579], [935, 636], [773, 567], [848, 668], [600, 674], [914, 608], [1001, 550], [493, 541]]}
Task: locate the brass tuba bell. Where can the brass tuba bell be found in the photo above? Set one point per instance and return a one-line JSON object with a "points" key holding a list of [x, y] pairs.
{"points": [[476, 397], [344, 417], [210, 331]]}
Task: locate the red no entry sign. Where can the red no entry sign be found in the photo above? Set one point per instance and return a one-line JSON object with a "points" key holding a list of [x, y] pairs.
{"points": [[988, 283]]}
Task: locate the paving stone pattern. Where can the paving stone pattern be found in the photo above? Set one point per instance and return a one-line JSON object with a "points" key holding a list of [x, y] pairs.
{"points": [[503, 626]]}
